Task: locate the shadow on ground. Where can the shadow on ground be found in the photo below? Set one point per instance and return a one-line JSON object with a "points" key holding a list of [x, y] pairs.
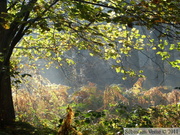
{"points": [[23, 128]]}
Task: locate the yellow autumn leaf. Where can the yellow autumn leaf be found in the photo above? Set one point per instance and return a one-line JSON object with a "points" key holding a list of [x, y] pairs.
{"points": [[6, 26]]}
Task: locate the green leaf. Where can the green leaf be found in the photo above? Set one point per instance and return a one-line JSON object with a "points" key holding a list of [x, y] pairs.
{"points": [[118, 69]]}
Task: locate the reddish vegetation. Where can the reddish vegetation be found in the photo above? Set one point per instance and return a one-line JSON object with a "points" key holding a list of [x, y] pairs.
{"points": [[48, 102], [53, 96]]}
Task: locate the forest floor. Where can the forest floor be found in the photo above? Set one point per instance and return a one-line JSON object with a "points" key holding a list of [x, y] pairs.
{"points": [[24, 128]]}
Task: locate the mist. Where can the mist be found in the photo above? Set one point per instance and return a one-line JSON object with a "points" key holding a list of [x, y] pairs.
{"points": [[99, 71]]}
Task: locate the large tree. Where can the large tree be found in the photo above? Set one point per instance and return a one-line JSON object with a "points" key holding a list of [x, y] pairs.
{"points": [[106, 28]]}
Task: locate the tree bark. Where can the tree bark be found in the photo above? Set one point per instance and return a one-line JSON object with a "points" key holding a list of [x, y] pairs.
{"points": [[7, 114]]}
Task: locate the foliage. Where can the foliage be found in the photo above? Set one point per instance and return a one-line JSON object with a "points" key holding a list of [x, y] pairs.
{"points": [[66, 128], [113, 95], [88, 96], [33, 103], [45, 106], [97, 123], [166, 116], [37, 29], [105, 28]]}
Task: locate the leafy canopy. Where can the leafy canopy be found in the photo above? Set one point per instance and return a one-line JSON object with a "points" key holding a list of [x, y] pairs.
{"points": [[106, 28]]}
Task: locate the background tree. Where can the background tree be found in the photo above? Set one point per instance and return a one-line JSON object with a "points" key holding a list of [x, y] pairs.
{"points": [[98, 26]]}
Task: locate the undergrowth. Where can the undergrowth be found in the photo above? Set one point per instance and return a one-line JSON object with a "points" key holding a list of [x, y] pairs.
{"points": [[93, 111]]}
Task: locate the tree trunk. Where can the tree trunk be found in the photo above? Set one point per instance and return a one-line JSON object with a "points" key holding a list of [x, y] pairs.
{"points": [[7, 114]]}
